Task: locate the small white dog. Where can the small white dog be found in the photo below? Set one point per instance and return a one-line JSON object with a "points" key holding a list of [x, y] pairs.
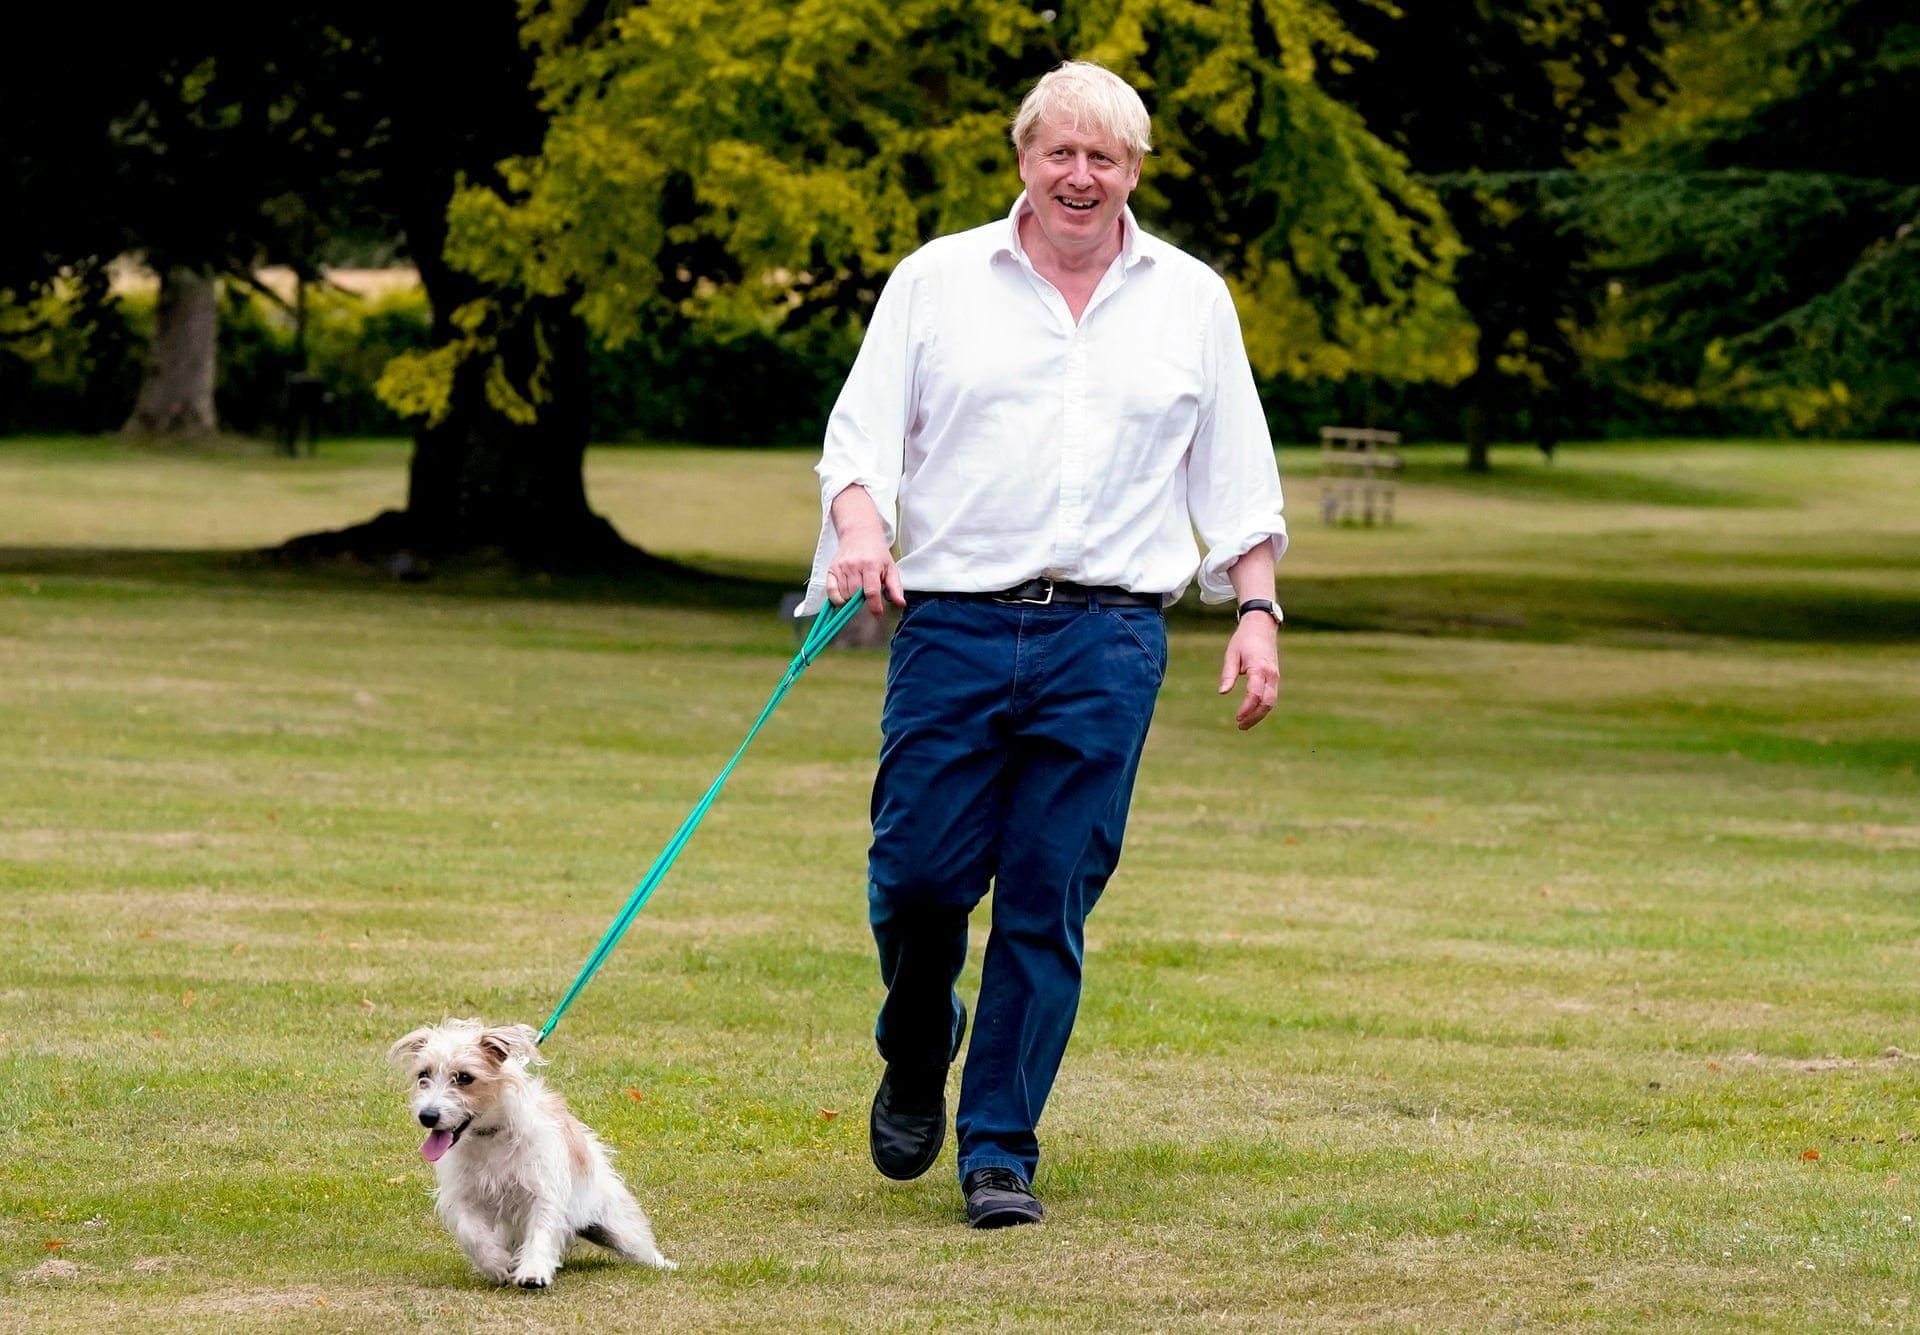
{"points": [[519, 1176]]}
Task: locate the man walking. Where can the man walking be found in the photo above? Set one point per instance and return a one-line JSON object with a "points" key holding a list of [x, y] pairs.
{"points": [[1043, 412]]}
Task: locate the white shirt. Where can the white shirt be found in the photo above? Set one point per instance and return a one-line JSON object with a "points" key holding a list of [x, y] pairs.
{"points": [[1001, 441]]}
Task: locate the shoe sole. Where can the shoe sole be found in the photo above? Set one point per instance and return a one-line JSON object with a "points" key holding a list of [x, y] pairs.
{"points": [[1008, 1218]]}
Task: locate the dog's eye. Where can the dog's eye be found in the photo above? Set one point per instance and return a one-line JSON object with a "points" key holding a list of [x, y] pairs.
{"points": [[423, 1081], [464, 1078]]}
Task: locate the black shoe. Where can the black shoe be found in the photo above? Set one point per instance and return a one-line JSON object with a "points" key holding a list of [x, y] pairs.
{"points": [[908, 1123], [999, 1197]]}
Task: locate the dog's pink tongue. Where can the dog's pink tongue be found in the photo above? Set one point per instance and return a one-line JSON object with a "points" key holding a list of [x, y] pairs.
{"points": [[436, 1144]]}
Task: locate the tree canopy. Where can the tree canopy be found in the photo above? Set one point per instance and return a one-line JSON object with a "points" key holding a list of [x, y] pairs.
{"points": [[1491, 102], [205, 144], [764, 165], [1762, 224], [1460, 204]]}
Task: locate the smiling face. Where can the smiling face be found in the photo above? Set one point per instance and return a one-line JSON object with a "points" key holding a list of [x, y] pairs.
{"points": [[1078, 178], [458, 1070]]}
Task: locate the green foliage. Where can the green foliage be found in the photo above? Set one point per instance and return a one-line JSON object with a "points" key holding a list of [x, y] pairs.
{"points": [[349, 343], [1341, 260], [756, 169], [349, 340], [685, 382], [1762, 229], [192, 136], [1793, 292], [72, 375], [62, 370], [1490, 102], [69, 356]]}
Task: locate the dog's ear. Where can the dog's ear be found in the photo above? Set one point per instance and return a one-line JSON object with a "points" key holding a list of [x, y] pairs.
{"points": [[510, 1041], [406, 1049]]}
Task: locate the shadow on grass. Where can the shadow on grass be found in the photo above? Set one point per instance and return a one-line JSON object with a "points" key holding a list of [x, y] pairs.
{"points": [[1586, 484], [136, 573], [1549, 607], [1535, 607]]}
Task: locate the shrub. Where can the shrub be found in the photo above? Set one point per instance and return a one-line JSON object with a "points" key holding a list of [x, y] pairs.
{"points": [[683, 383], [76, 374]]}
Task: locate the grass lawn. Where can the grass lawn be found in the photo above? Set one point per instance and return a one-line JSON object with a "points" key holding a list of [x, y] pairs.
{"points": [[1552, 954]]}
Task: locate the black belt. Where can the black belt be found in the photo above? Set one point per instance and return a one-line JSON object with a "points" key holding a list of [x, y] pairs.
{"points": [[1043, 591]]}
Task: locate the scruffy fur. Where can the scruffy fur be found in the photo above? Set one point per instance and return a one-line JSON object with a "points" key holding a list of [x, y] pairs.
{"points": [[522, 1178]]}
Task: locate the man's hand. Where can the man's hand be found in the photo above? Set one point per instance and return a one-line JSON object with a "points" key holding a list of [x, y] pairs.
{"points": [[1253, 653], [863, 562]]}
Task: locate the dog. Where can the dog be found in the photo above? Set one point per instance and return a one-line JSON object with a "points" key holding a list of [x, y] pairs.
{"points": [[519, 1177]]}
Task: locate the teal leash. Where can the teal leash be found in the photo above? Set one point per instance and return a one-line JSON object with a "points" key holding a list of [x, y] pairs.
{"points": [[825, 626]]}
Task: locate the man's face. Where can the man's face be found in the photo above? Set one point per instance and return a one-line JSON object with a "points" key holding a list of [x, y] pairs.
{"points": [[1077, 180]]}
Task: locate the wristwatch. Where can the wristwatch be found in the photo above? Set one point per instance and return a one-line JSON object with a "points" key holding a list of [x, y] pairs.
{"points": [[1257, 605]]}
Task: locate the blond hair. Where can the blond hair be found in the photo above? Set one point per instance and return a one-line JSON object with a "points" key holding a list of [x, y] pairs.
{"points": [[1084, 95]]}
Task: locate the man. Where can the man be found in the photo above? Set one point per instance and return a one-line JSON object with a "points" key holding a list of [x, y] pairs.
{"points": [[1051, 404]]}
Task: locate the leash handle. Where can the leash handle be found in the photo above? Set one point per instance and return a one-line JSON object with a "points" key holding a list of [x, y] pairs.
{"points": [[825, 626]]}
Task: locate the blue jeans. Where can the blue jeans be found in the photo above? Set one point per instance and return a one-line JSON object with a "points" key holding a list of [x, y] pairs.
{"points": [[1011, 739]]}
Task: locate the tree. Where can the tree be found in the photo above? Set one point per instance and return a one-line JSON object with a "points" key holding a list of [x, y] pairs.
{"points": [[765, 165], [1764, 228], [1493, 103], [212, 143], [204, 143], [1342, 261], [498, 456]]}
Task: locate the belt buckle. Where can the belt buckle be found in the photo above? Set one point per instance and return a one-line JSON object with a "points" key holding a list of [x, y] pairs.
{"points": [[1035, 602]]}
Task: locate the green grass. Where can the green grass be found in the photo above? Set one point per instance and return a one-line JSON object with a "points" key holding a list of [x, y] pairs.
{"points": [[1509, 974]]}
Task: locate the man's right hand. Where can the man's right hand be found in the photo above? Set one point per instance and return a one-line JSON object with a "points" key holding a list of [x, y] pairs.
{"points": [[862, 562]]}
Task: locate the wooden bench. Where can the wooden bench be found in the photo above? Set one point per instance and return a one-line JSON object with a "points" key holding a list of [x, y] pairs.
{"points": [[1358, 475]]}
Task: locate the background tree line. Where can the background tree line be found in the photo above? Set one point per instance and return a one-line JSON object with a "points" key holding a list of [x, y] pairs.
{"points": [[1472, 220]]}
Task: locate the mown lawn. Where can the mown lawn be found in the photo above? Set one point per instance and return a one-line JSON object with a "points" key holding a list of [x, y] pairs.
{"points": [[1551, 956]]}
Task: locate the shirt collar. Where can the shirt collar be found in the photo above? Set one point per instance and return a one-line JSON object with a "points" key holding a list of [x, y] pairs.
{"points": [[1135, 245]]}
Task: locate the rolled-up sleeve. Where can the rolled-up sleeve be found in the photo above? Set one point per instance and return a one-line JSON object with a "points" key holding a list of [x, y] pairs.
{"points": [[1233, 482], [867, 430]]}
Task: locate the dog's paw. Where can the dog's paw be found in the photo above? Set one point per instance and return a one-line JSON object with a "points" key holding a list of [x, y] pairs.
{"points": [[532, 1279]]}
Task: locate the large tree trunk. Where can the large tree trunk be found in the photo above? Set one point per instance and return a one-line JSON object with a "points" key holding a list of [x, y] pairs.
{"points": [[480, 484], [1482, 391], [176, 394], [483, 486], [1478, 458]]}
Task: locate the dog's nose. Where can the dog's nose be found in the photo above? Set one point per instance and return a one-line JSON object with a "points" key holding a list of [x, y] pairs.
{"points": [[429, 1117]]}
